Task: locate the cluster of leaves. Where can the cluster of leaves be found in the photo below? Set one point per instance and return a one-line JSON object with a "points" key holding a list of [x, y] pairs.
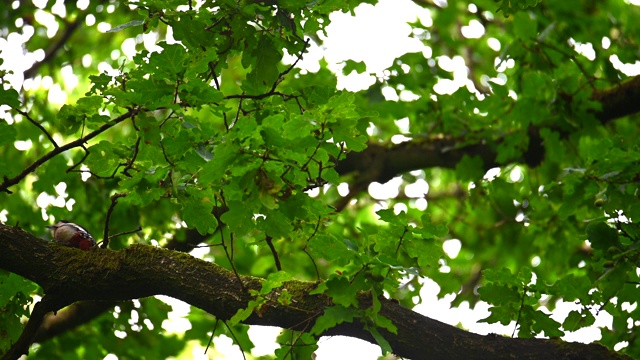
{"points": [[610, 284], [510, 7], [14, 303]]}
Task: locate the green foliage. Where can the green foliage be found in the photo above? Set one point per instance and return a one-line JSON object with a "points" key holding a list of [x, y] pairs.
{"points": [[212, 138], [509, 7], [295, 345], [14, 303], [513, 298]]}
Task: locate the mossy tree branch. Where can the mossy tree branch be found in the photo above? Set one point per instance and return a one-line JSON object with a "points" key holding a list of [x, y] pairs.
{"points": [[69, 275]]}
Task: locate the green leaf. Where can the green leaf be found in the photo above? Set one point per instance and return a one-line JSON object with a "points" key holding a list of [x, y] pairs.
{"points": [[102, 159], [544, 323], [501, 276], [470, 168], [572, 288], [577, 320], [429, 229], [199, 93], [264, 71], [342, 291], [296, 345], [70, 118], [613, 280], [8, 133], [275, 224], [427, 251], [388, 215], [380, 340], [239, 218], [243, 314], [328, 246], [171, 61], [524, 26], [9, 97], [100, 83], [197, 214], [357, 66], [500, 294], [602, 236], [273, 281], [126, 25], [296, 127], [331, 317], [499, 314]]}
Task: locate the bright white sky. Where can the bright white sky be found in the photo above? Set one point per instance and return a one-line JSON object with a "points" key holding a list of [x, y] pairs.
{"points": [[376, 35]]}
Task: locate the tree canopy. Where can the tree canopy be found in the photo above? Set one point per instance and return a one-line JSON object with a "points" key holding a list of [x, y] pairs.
{"points": [[164, 126]]}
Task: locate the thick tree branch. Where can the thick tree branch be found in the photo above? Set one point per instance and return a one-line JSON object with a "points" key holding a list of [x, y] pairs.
{"points": [[84, 311], [73, 316], [618, 101], [382, 163], [141, 271]]}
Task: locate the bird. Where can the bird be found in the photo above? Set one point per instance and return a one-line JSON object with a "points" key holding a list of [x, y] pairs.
{"points": [[73, 235]]}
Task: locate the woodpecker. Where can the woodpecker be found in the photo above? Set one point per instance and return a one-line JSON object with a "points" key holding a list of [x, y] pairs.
{"points": [[73, 235]]}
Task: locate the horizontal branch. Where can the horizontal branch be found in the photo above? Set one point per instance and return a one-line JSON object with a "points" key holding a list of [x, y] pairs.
{"points": [[619, 100], [69, 275], [381, 163]]}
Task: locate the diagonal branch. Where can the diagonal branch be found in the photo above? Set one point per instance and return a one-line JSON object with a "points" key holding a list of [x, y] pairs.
{"points": [[141, 271], [51, 52], [8, 182], [48, 304], [38, 125]]}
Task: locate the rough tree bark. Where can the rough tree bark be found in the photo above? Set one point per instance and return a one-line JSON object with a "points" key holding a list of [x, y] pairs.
{"points": [[68, 275]]}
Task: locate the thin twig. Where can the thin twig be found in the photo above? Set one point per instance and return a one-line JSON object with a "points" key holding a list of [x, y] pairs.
{"points": [[114, 201], [524, 294], [212, 68], [230, 258], [276, 259], [166, 157], [406, 230], [74, 166], [129, 164], [304, 249], [8, 182], [139, 228], [37, 124], [573, 58], [236, 339], [238, 112], [295, 341], [273, 91], [215, 326], [288, 70]]}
